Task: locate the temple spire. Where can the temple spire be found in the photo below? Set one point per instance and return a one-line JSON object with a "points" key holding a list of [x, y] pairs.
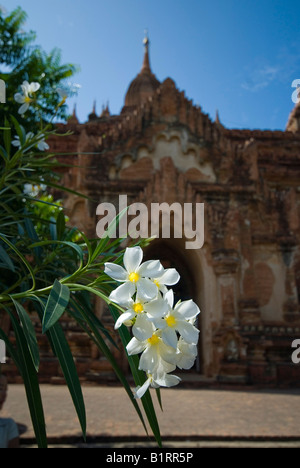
{"points": [[146, 62]]}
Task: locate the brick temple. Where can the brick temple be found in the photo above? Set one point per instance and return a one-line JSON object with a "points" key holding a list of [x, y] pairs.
{"points": [[246, 276]]}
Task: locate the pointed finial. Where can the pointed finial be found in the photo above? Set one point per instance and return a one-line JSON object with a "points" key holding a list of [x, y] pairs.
{"points": [[217, 120], [93, 114], [73, 119], [146, 63], [146, 38]]}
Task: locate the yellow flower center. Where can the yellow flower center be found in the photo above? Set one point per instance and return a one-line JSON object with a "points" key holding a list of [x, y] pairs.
{"points": [[138, 308], [153, 340], [27, 99], [157, 283], [171, 321], [134, 277]]}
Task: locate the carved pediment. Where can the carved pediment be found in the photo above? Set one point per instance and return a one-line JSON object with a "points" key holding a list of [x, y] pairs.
{"points": [[189, 158]]}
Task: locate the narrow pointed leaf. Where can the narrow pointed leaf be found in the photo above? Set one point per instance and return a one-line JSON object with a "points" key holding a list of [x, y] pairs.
{"points": [[4, 257], [57, 302], [63, 353], [109, 356], [31, 383], [29, 333]]}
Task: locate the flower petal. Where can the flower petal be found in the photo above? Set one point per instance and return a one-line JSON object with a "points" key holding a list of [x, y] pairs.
{"points": [[146, 289], [122, 294], [186, 354], [23, 108], [135, 346], [140, 391], [188, 309], [116, 272], [167, 353], [169, 297], [25, 87], [188, 332], [19, 98], [151, 269], [156, 308], [33, 87], [149, 360], [169, 337], [143, 329], [123, 318], [132, 258], [170, 276], [167, 380]]}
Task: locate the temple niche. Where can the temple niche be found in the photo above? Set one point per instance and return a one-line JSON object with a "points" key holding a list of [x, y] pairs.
{"points": [[246, 275]]}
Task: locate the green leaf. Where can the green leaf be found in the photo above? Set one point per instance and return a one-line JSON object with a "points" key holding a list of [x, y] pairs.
{"points": [[53, 228], [109, 356], [19, 129], [57, 302], [31, 383], [29, 333], [72, 245], [108, 234], [60, 225], [7, 137], [158, 394], [63, 353], [21, 256], [78, 304], [30, 229], [4, 257]]}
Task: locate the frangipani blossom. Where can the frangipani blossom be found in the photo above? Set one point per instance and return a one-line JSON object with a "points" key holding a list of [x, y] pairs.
{"points": [[135, 276], [41, 145], [17, 142], [26, 98], [66, 90], [158, 379], [169, 277], [186, 354], [178, 320], [140, 313], [165, 336], [155, 353]]}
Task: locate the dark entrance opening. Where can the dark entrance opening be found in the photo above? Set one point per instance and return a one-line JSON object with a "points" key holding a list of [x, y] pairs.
{"points": [[171, 255]]}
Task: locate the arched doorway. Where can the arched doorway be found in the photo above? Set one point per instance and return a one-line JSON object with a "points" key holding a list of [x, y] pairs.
{"points": [[172, 254]]}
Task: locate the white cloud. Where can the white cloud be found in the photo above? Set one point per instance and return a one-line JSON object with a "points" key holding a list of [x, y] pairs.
{"points": [[260, 78]]}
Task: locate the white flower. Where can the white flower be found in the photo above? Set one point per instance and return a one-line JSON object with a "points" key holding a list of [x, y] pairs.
{"points": [[135, 276], [178, 320], [158, 379], [26, 98], [67, 90], [16, 141], [33, 190], [143, 312], [186, 354], [169, 277], [42, 145], [155, 353]]}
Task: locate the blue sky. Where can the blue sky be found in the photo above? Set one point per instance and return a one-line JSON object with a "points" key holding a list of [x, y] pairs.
{"points": [[237, 56]]}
